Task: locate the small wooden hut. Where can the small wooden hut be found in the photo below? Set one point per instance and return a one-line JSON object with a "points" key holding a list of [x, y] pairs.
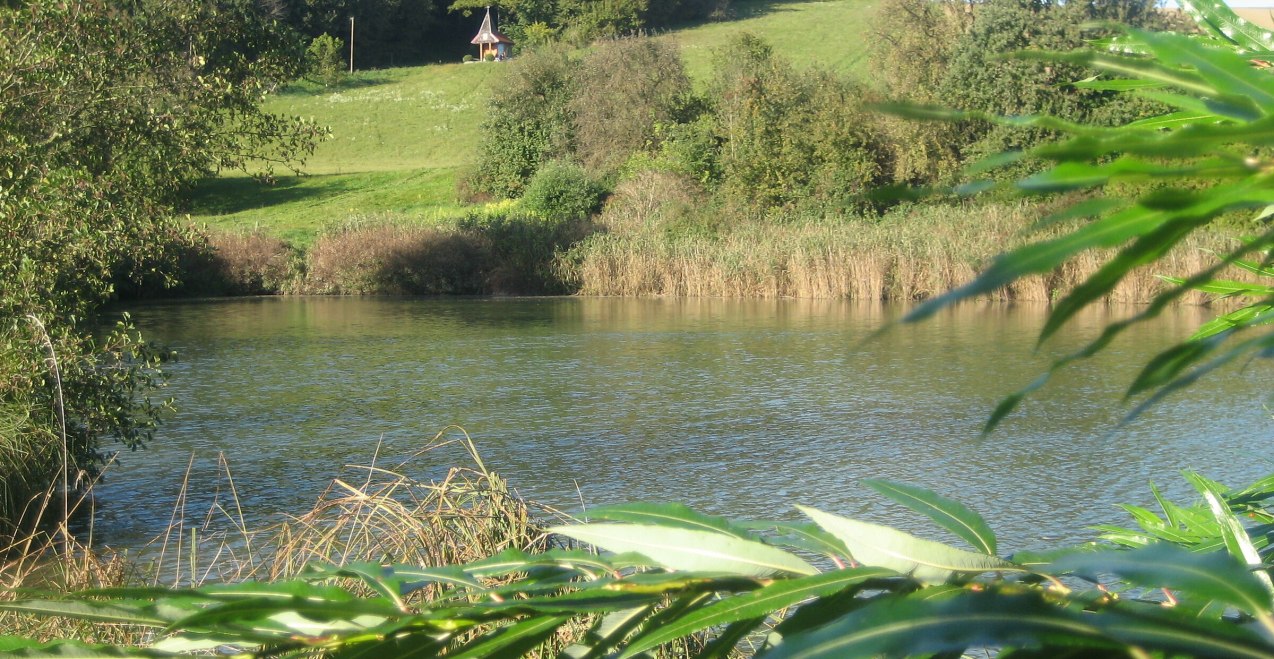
{"points": [[490, 41]]}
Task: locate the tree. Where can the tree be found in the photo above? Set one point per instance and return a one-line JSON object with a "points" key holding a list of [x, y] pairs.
{"points": [[623, 89], [108, 113], [789, 137], [528, 123]]}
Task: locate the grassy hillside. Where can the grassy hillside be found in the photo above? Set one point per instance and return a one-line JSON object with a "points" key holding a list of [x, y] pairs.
{"points": [[400, 137]]}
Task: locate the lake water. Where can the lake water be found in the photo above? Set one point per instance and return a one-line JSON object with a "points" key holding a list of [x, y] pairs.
{"points": [[741, 408]]}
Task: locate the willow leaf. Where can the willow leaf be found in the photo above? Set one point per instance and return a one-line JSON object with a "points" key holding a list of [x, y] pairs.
{"points": [[512, 641], [1213, 576], [947, 513], [415, 578], [1225, 287], [757, 604], [254, 611], [1116, 85], [120, 612], [1172, 120], [1227, 72], [1237, 542], [1218, 18], [1168, 364], [610, 630], [14, 646], [668, 514], [914, 625], [689, 550], [925, 560], [804, 536]]}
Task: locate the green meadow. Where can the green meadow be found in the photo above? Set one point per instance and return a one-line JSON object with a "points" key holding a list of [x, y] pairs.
{"points": [[401, 138]]}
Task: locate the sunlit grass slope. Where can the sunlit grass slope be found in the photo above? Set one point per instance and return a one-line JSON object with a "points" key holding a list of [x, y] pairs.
{"points": [[401, 137], [832, 35]]}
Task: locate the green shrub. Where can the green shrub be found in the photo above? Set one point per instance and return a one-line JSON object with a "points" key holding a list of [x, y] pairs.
{"points": [[562, 191], [623, 89], [792, 138], [527, 123], [325, 59], [467, 58]]}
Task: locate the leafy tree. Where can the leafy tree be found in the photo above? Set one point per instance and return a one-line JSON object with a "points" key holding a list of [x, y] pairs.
{"points": [[108, 112], [980, 75], [325, 59], [528, 123], [788, 137], [623, 89], [913, 43]]}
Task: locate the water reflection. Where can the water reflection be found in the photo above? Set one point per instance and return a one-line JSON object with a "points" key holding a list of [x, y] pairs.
{"points": [[742, 408]]}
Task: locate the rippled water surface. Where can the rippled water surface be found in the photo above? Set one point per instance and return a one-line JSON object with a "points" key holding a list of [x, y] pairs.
{"points": [[742, 408]]}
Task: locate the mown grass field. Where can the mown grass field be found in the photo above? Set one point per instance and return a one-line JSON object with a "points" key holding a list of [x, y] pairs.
{"points": [[401, 137]]}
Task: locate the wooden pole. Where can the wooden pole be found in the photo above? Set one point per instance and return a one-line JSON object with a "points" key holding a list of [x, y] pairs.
{"points": [[351, 44]]}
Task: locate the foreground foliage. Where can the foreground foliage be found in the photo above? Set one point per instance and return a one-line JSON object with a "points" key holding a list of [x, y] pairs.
{"points": [[1152, 184], [827, 586]]}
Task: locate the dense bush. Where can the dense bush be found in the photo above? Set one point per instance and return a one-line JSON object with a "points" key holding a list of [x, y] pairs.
{"points": [[981, 77], [524, 251], [325, 59], [397, 260], [527, 123], [792, 138], [623, 89], [561, 191]]}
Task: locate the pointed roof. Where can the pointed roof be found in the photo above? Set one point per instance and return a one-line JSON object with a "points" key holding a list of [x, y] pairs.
{"points": [[487, 34]]}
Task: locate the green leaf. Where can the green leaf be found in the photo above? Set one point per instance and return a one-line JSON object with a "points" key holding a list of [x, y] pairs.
{"points": [[1214, 576], [15, 646], [947, 513], [801, 535], [924, 560], [415, 578], [1172, 120], [254, 611], [512, 641], [689, 550], [121, 612], [610, 630], [380, 579], [673, 515], [757, 604], [1223, 23], [913, 625], [1237, 542], [1226, 71]]}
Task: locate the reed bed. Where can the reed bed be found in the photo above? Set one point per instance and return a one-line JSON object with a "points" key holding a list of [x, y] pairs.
{"points": [[379, 515], [911, 254]]}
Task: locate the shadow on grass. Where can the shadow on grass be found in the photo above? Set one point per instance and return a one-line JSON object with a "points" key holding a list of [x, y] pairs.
{"points": [[359, 80], [227, 196]]}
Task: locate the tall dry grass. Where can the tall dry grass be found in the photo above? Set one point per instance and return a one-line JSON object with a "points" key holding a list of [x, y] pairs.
{"points": [[238, 263], [650, 248], [381, 258], [377, 514]]}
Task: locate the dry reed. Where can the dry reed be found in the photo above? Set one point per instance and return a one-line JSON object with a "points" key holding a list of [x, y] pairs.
{"points": [[381, 258], [381, 516], [907, 255]]}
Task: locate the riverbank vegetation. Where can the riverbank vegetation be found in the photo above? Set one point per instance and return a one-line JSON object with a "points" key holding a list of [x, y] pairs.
{"points": [[1147, 171], [96, 148]]}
